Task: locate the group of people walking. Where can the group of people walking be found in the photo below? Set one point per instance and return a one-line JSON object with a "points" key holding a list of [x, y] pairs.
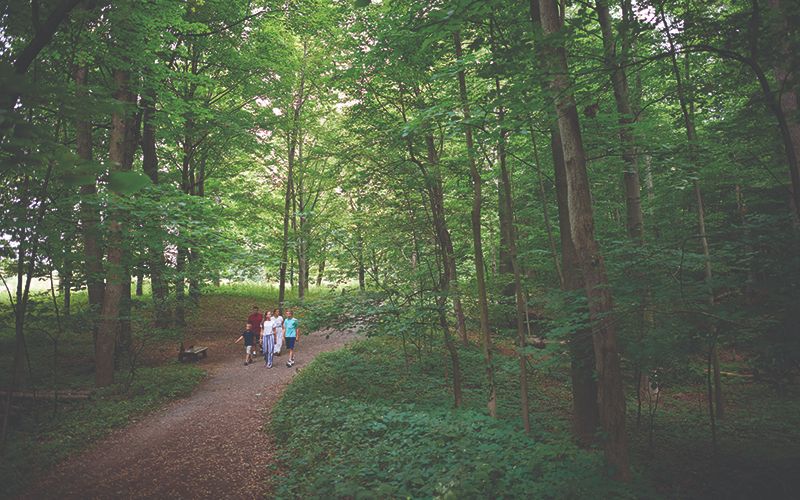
{"points": [[268, 333]]}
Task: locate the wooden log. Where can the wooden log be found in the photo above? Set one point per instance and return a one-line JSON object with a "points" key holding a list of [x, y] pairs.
{"points": [[49, 394]]}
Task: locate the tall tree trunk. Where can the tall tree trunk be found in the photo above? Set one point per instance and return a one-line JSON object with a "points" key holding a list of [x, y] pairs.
{"points": [[292, 139], [450, 262], [586, 416], [545, 207], [124, 335], [115, 267], [89, 210], [483, 304], [431, 175], [687, 112], [436, 198], [619, 82], [611, 398], [519, 292], [155, 251], [585, 413]]}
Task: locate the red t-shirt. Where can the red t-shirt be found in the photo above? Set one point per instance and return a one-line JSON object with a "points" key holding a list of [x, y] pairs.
{"points": [[256, 319]]}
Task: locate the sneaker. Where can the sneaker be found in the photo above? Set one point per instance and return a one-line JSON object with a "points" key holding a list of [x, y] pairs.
{"points": [[245, 363], [288, 364]]}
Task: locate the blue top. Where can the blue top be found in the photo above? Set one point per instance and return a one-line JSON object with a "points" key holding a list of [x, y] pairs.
{"points": [[248, 337], [291, 327]]}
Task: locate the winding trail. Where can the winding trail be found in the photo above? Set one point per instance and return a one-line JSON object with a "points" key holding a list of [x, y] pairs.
{"points": [[209, 445]]}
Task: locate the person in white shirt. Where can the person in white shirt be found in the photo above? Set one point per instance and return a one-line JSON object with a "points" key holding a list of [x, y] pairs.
{"points": [[268, 339], [277, 323]]}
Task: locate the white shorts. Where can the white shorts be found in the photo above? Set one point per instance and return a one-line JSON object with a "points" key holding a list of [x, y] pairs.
{"points": [[248, 349]]}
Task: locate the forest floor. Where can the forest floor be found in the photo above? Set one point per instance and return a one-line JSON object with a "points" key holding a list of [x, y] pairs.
{"points": [[209, 445]]}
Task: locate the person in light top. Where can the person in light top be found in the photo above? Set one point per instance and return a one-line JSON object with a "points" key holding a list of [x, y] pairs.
{"points": [[268, 338], [277, 322], [292, 334]]}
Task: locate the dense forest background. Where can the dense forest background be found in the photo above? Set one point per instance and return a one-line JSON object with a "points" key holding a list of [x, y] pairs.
{"points": [[604, 192]]}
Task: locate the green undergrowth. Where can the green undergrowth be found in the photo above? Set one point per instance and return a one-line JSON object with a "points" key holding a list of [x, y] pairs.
{"points": [[43, 437], [359, 423]]}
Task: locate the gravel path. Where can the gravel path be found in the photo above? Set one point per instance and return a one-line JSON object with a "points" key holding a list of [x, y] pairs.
{"points": [[208, 445]]}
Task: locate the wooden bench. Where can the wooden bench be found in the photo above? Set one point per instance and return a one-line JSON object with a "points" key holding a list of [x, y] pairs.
{"points": [[192, 353]]}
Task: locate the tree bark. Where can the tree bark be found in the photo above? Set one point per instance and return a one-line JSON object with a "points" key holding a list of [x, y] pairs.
{"points": [[155, 252], [115, 269], [139, 282], [436, 196], [483, 305], [619, 82], [89, 211], [585, 414], [611, 398]]}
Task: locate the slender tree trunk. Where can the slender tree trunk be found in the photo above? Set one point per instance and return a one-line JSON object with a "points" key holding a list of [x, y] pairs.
{"points": [[180, 287], [321, 266], [619, 82], [89, 210], [511, 238], [362, 281], [445, 249], [65, 282], [28, 247], [687, 105], [124, 335], [483, 304], [139, 282], [519, 292], [287, 205], [292, 139], [115, 267], [155, 252], [611, 398], [446, 240], [545, 207]]}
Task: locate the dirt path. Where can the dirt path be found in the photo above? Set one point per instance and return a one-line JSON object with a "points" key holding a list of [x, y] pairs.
{"points": [[206, 446]]}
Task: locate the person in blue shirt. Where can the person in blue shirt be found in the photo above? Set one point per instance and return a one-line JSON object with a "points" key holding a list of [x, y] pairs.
{"points": [[248, 336], [292, 334]]}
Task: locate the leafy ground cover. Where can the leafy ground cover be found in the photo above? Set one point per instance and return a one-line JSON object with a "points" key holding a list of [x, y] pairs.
{"points": [[361, 422]]}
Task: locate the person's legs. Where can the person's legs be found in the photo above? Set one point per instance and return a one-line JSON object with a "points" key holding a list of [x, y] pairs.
{"points": [[290, 348], [269, 349]]}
